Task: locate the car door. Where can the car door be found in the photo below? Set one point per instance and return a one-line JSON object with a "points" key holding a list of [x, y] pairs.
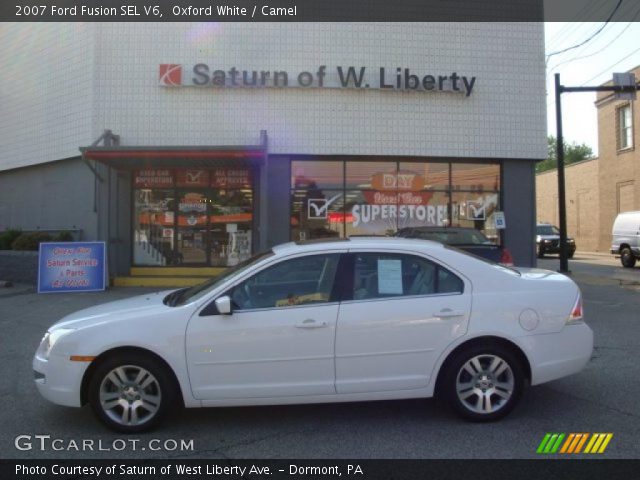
{"points": [[403, 311], [279, 339]]}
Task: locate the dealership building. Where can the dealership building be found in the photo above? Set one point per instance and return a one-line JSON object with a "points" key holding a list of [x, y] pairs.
{"points": [[194, 145]]}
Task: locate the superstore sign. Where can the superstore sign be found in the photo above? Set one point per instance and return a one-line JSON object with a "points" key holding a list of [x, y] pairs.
{"points": [[380, 78]]}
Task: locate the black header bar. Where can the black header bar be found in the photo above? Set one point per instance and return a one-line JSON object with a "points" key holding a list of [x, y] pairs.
{"points": [[351, 469], [316, 10]]}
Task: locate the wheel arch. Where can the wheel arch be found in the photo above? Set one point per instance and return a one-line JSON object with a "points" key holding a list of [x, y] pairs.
{"points": [[623, 245], [84, 386], [487, 340]]}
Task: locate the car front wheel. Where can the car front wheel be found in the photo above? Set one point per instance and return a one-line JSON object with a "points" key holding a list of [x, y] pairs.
{"points": [[626, 258], [484, 383], [130, 393]]}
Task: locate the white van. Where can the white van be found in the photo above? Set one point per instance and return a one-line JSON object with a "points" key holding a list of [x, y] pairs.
{"points": [[626, 238]]}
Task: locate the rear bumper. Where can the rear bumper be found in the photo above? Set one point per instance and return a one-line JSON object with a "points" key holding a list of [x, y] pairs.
{"points": [[557, 355]]}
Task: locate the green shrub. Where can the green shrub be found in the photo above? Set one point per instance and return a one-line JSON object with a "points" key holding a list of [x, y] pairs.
{"points": [[7, 237], [30, 241], [63, 237]]}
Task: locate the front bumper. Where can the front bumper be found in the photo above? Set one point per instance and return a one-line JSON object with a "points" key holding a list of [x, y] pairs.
{"points": [[555, 248], [59, 379], [557, 355]]}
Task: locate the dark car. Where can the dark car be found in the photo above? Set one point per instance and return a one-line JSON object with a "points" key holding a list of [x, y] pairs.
{"points": [[467, 239], [548, 240]]}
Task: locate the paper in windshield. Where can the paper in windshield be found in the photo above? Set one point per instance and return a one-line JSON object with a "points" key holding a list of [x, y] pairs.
{"points": [[390, 277]]}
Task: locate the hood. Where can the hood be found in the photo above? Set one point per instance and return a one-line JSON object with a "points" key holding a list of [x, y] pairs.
{"points": [[117, 309], [551, 237]]}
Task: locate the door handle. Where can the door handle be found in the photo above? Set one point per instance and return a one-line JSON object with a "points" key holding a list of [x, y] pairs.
{"points": [[448, 313], [311, 323]]}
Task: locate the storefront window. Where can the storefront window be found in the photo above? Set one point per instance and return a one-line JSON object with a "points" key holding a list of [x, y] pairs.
{"points": [[317, 213], [312, 175], [154, 227], [209, 224], [382, 197], [475, 177], [431, 176]]}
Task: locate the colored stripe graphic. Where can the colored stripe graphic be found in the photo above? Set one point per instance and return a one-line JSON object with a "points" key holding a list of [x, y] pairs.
{"points": [[543, 443], [574, 443], [550, 443], [581, 442], [598, 443]]}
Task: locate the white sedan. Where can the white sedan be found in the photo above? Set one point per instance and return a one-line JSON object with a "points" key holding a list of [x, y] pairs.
{"points": [[331, 321]]}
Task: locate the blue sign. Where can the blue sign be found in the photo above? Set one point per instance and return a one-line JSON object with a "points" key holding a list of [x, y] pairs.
{"points": [[71, 267]]}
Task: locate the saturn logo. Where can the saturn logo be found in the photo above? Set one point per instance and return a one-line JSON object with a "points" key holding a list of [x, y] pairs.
{"points": [[170, 75]]}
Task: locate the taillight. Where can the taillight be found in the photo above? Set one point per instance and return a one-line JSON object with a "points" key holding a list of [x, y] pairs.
{"points": [[506, 258], [576, 312]]}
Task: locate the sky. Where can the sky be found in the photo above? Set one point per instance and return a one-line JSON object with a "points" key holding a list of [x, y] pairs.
{"points": [[615, 49]]}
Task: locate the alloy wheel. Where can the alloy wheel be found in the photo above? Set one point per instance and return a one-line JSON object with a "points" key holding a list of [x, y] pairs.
{"points": [[130, 395], [485, 383]]}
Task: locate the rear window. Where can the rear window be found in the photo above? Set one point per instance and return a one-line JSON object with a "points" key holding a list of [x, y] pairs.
{"points": [[497, 266], [450, 236]]}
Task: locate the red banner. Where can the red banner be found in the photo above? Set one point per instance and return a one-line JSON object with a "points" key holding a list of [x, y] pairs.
{"points": [[192, 178], [399, 198], [231, 178], [153, 178]]}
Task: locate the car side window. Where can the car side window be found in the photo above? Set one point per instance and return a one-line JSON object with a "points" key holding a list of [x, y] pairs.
{"points": [[298, 281], [380, 275]]}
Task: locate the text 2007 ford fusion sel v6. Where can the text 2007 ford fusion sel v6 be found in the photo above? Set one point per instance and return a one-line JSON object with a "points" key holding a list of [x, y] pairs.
{"points": [[333, 321]]}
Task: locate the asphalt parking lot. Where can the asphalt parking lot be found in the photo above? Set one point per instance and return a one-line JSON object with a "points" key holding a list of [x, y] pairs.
{"points": [[603, 398]]}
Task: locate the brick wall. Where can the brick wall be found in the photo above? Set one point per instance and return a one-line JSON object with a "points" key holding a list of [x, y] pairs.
{"points": [[582, 199], [619, 169]]}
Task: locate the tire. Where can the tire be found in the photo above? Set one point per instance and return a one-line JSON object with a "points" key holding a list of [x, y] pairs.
{"points": [[570, 255], [540, 252], [467, 394], [626, 258], [131, 392]]}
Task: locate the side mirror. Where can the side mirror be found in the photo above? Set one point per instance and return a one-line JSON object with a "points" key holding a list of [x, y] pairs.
{"points": [[223, 304]]}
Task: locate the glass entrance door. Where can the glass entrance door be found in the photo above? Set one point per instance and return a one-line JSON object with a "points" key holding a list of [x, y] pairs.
{"points": [[193, 227], [197, 218]]}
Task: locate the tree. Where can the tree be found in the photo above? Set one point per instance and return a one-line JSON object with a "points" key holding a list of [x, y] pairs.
{"points": [[572, 153]]}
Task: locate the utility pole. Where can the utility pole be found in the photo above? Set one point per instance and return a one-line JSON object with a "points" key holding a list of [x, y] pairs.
{"points": [[562, 207]]}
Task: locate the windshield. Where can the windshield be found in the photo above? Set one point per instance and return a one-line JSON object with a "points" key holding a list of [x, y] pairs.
{"points": [[186, 295], [547, 230]]}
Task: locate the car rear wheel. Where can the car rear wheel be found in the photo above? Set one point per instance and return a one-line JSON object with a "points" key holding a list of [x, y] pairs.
{"points": [[130, 393], [626, 258], [484, 383]]}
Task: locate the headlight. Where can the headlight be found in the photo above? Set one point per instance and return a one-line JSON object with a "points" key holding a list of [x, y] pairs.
{"points": [[50, 339], [570, 240]]}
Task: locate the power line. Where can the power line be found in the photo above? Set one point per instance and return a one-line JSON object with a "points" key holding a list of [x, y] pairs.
{"points": [[610, 67], [599, 51], [572, 26], [591, 37]]}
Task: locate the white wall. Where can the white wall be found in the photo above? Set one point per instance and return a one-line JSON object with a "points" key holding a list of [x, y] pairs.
{"points": [[504, 116], [46, 91]]}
